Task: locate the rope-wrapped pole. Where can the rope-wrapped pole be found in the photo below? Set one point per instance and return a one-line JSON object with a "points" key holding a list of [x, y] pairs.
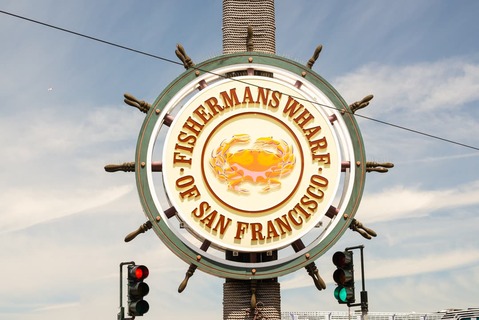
{"points": [[238, 15], [249, 25], [236, 301]]}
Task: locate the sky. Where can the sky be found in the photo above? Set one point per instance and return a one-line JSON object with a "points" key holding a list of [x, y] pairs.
{"points": [[63, 218]]}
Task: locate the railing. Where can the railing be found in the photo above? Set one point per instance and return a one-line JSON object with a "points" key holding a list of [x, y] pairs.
{"points": [[339, 315]]}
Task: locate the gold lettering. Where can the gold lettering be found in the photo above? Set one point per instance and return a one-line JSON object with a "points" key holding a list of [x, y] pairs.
{"points": [[187, 182], [274, 102], [202, 114], [193, 126], [293, 219], [324, 158], [213, 105], [262, 96], [256, 233], [272, 233], [248, 96], [318, 144], [222, 225], [204, 206], [231, 100], [311, 132], [292, 107], [283, 223], [303, 119], [208, 220], [179, 158], [241, 228]]}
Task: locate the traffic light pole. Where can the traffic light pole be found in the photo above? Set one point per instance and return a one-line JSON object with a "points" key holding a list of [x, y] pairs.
{"points": [[364, 293], [121, 314]]}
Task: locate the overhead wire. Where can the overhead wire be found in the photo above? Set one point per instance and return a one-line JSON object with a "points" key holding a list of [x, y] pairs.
{"points": [[206, 71]]}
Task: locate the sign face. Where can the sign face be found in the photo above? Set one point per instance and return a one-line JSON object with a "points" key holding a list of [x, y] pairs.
{"points": [[251, 165]]}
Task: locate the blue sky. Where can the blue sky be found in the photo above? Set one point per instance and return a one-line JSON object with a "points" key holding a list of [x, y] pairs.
{"points": [[63, 219]]}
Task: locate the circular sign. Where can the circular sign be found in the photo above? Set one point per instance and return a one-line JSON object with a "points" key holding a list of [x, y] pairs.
{"points": [[263, 163], [256, 154]]}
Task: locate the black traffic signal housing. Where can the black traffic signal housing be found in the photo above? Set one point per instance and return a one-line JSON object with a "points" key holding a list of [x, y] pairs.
{"points": [[137, 289], [344, 277]]}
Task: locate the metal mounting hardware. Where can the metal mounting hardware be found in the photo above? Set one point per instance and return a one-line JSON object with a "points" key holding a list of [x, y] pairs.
{"points": [[249, 39]]}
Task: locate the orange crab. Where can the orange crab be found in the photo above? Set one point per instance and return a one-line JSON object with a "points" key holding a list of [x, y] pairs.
{"points": [[266, 163]]}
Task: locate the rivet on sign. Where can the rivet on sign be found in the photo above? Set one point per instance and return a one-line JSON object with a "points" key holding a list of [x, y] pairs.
{"points": [[143, 164], [157, 111], [303, 74], [250, 59], [198, 258], [345, 216], [253, 271], [158, 218], [197, 73], [358, 163], [307, 255]]}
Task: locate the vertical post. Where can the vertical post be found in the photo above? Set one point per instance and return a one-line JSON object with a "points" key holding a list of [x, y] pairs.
{"points": [[121, 314], [240, 19], [238, 15], [364, 293]]}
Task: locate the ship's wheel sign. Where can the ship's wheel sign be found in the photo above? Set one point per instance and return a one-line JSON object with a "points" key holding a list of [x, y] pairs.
{"points": [[254, 154]]}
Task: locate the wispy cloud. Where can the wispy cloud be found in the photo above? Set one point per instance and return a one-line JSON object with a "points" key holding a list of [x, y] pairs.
{"points": [[43, 205], [443, 85], [401, 202], [56, 306]]}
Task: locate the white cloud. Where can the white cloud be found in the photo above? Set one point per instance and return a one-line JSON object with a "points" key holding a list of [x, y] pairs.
{"points": [[422, 87], [56, 306], [42, 205], [402, 202], [409, 266]]}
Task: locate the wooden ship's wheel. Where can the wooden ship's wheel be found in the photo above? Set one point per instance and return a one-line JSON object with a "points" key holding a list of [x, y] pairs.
{"points": [[208, 206]]}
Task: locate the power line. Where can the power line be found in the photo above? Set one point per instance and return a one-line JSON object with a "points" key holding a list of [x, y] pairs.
{"points": [[418, 132], [181, 64], [91, 38]]}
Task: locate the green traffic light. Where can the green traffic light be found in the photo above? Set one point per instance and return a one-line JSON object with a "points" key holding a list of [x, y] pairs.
{"points": [[341, 294]]}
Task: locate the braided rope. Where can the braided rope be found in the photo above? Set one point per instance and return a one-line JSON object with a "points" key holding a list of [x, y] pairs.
{"points": [[237, 301], [238, 15]]}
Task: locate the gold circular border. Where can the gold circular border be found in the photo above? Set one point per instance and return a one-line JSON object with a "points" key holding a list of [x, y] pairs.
{"points": [[281, 203]]}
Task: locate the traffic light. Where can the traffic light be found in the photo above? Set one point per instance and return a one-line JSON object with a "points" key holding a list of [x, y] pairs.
{"points": [[137, 289], [344, 277]]}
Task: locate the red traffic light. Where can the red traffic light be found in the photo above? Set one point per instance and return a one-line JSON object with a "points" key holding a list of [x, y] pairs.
{"points": [[138, 273]]}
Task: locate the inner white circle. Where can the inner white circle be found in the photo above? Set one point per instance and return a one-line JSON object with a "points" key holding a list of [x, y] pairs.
{"points": [[243, 212], [265, 156]]}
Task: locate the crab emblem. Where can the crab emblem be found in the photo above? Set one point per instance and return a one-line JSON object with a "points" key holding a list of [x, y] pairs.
{"points": [[266, 163]]}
